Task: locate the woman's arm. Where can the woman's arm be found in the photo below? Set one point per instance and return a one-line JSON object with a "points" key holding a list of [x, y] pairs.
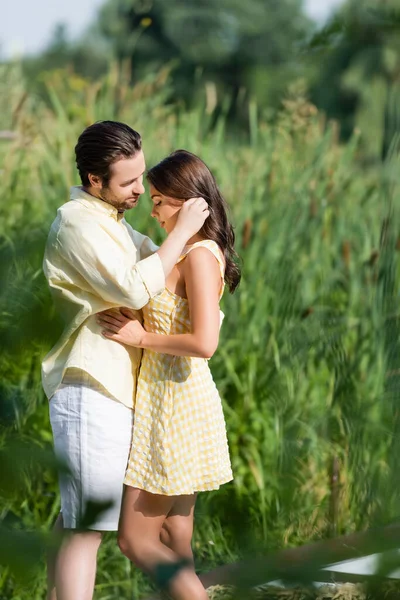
{"points": [[203, 284], [107, 270]]}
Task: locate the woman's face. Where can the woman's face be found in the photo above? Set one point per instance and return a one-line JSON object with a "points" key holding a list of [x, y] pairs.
{"points": [[165, 209]]}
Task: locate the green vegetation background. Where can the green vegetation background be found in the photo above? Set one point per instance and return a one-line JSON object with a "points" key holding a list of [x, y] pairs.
{"points": [[308, 363]]}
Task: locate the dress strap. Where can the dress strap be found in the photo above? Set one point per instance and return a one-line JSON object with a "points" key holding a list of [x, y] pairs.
{"points": [[214, 249]]}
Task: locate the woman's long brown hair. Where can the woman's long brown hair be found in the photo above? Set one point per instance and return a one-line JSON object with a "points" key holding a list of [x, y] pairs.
{"points": [[183, 175]]}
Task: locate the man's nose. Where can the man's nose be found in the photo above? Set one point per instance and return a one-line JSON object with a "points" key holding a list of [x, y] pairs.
{"points": [[138, 188]]}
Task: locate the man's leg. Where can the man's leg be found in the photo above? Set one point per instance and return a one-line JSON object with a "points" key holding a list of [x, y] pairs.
{"points": [[92, 433], [52, 560], [75, 570]]}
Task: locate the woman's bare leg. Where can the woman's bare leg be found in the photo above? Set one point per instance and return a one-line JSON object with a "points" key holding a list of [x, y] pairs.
{"points": [[177, 530], [142, 518]]}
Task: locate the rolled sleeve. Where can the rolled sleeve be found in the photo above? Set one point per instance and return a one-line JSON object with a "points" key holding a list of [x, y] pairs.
{"points": [[152, 274], [107, 269]]}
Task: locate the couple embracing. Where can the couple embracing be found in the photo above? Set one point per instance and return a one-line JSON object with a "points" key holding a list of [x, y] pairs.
{"points": [[134, 410]]}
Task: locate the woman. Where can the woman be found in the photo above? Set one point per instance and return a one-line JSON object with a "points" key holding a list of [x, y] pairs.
{"points": [[179, 444]]}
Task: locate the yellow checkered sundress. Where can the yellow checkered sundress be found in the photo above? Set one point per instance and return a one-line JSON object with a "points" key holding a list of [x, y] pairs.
{"points": [[179, 443]]}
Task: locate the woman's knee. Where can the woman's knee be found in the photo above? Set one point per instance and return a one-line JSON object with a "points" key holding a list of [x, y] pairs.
{"points": [[127, 545], [135, 548], [165, 537], [177, 535]]}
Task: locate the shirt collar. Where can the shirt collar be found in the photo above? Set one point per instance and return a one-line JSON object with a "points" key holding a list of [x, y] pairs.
{"points": [[79, 195]]}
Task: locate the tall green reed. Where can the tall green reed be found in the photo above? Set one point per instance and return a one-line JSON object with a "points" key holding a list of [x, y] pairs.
{"points": [[302, 361]]}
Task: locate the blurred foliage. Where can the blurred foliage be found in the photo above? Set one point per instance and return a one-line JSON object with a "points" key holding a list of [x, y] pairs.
{"points": [[242, 48], [307, 364], [359, 56], [244, 54], [89, 56]]}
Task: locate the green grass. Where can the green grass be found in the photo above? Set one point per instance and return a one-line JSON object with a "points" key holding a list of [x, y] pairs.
{"points": [[308, 357]]}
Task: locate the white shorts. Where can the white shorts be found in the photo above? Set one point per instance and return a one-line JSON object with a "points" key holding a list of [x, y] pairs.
{"points": [[92, 435]]}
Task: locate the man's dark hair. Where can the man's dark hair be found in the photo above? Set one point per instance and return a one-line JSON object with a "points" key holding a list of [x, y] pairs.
{"points": [[102, 144]]}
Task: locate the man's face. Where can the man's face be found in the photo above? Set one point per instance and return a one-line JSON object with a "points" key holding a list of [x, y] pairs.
{"points": [[125, 183]]}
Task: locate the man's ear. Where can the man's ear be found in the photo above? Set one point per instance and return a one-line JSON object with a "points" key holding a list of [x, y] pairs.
{"points": [[95, 181]]}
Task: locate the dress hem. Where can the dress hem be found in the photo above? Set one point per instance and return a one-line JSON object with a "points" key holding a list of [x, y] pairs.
{"points": [[209, 487]]}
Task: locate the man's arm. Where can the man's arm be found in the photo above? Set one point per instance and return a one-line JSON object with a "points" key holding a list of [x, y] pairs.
{"points": [[203, 286], [108, 271], [104, 268]]}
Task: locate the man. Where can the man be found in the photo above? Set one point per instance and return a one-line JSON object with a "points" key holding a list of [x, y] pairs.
{"points": [[93, 261]]}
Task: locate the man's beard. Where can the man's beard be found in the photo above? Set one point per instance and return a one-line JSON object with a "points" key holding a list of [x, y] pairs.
{"points": [[121, 204], [106, 196], [109, 198]]}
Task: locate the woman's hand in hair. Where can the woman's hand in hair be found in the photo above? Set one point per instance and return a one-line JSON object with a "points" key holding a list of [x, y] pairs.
{"points": [[121, 325], [192, 216]]}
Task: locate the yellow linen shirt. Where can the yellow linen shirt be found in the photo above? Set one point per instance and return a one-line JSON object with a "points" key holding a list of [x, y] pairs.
{"points": [[91, 264]]}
